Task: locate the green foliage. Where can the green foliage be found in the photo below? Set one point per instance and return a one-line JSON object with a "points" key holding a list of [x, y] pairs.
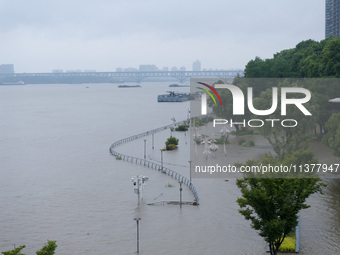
{"points": [[284, 144], [246, 143], [249, 143], [182, 128], [48, 249], [332, 138], [309, 59], [197, 122], [171, 143], [245, 132], [171, 147], [16, 251], [272, 204], [241, 141], [118, 158], [221, 140]]}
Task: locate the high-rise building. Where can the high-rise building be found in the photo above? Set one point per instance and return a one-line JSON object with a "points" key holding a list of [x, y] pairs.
{"points": [[7, 69], [148, 68], [196, 66], [332, 18]]}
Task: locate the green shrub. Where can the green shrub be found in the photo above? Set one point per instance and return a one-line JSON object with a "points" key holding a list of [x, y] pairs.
{"points": [[182, 128], [171, 143], [201, 121], [250, 143], [245, 132], [241, 141], [171, 147], [221, 140]]}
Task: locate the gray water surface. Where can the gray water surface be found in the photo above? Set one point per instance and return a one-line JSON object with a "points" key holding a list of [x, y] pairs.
{"points": [[59, 182]]}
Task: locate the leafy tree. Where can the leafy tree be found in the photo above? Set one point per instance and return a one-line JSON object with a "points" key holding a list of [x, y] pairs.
{"points": [[272, 205], [331, 59], [332, 138], [48, 248], [16, 251], [308, 59]]}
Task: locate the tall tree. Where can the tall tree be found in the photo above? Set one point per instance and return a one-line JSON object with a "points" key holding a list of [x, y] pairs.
{"points": [[272, 205], [332, 138]]}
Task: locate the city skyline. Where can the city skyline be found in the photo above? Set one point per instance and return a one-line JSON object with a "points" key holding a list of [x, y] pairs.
{"points": [[196, 66], [40, 36]]}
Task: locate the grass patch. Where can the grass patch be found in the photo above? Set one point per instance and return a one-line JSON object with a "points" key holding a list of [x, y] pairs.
{"points": [[288, 244], [221, 140], [169, 185], [201, 121], [245, 132], [242, 141]]}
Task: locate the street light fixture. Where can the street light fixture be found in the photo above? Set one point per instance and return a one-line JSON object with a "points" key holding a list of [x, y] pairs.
{"points": [[139, 182]]}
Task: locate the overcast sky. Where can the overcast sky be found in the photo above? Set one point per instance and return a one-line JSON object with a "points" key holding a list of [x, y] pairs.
{"points": [[42, 35]]}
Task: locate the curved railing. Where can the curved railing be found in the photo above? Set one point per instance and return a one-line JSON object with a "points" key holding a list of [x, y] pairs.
{"points": [[151, 164]]}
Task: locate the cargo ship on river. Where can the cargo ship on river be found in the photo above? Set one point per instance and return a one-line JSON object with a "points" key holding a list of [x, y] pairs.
{"points": [[174, 97]]}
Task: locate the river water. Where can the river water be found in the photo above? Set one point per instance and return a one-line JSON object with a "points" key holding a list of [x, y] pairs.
{"points": [[59, 182]]}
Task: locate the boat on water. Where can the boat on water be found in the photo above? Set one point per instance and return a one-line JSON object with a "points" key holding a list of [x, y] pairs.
{"points": [[178, 86], [13, 83], [173, 97], [129, 86]]}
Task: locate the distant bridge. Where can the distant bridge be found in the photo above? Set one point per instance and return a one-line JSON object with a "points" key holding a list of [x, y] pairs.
{"points": [[102, 77]]}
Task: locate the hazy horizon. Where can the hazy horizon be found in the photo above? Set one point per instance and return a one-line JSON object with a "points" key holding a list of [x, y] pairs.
{"points": [[40, 36]]}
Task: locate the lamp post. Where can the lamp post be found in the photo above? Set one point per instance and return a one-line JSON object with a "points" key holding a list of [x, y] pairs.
{"points": [[190, 161], [162, 160], [137, 220], [180, 194], [153, 141], [144, 148]]}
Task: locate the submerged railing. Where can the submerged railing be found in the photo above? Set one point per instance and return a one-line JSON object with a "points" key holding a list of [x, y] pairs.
{"points": [[151, 164]]}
